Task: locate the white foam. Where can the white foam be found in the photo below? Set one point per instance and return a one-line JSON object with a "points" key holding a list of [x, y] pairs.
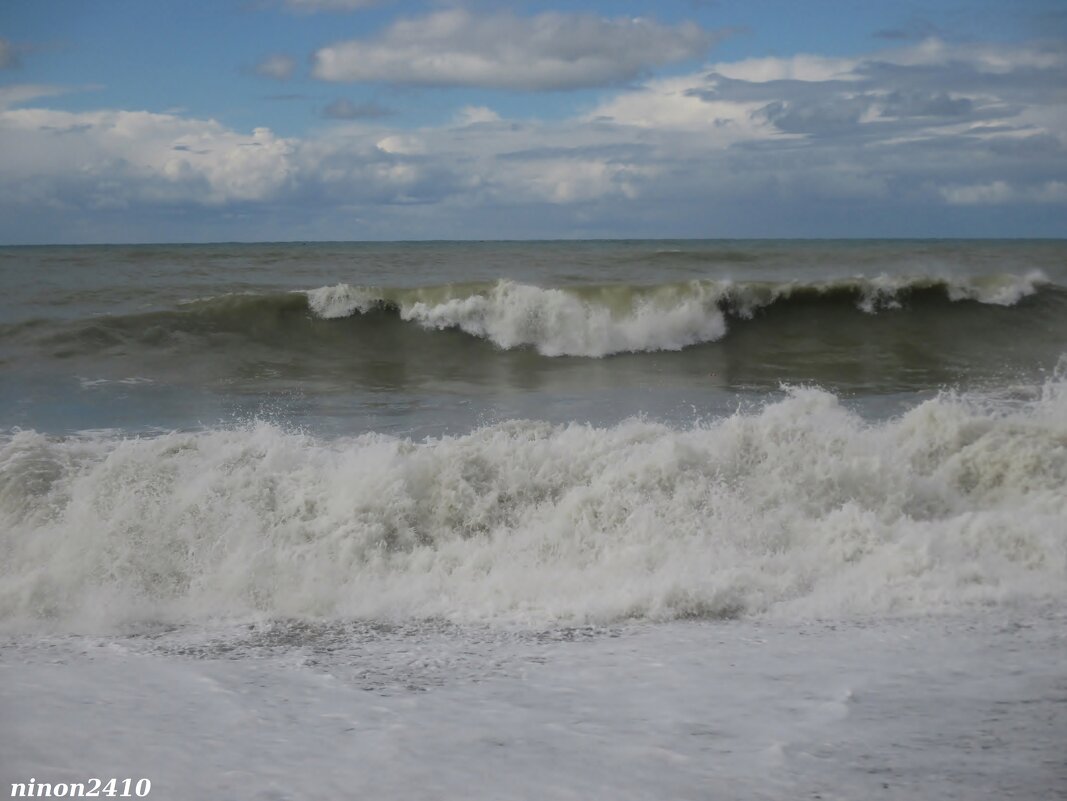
{"points": [[130, 381], [959, 707], [627, 319], [999, 290], [559, 323], [801, 509], [341, 300]]}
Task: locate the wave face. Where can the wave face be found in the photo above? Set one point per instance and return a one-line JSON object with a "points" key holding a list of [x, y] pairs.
{"points": [[795, 510]]}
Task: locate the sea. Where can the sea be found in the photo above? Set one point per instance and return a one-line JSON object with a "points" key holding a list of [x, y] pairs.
{"points": [[536, 520]]}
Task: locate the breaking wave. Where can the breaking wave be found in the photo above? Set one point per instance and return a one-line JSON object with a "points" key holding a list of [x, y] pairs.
{"points": [[579, 320], [602, 320], [796, 509]]}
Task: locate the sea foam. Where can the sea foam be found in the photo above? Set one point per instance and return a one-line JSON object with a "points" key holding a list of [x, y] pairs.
{"points": [[797, 509], [601, 320]]}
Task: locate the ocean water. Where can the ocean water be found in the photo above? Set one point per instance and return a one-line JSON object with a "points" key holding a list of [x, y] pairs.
{"points": [[723, 519]]}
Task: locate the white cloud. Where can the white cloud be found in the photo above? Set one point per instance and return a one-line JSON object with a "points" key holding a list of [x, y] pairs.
{"points": [[545, 52], [472, 115], [122, 156], [278, 66], [795, 68], [987, 58], [872, 141], [401, 145], [895, 96], [571, 180], [17, 93], [674, 104]]}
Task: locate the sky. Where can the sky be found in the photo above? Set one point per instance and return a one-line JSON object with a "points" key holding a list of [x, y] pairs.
{"points": [[301, 120]]}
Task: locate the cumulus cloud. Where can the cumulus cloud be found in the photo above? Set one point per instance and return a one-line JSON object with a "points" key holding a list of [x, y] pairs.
{"points": [[113, 158], [929, 90], [799, 146], [677, 104], [402, 145], [277, 66], [504, 51]]}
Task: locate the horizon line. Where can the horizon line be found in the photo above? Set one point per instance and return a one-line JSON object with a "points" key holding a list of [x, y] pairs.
{"points": [[545, 240]]}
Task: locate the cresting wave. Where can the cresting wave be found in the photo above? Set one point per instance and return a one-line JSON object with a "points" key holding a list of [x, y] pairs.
{"points": [[794, 510], [580, 320], [606, 319]]}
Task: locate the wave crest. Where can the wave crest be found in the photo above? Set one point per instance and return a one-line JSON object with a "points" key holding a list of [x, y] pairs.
{"points": [[560, 323], [603, 320]]}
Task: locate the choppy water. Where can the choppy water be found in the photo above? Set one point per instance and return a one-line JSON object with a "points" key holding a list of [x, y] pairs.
{"points": [[627, 520], [535, 432]]}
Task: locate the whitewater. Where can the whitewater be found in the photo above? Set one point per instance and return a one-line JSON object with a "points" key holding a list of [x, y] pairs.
{"points": [[798, 510], [619, 520], [602, 320]]}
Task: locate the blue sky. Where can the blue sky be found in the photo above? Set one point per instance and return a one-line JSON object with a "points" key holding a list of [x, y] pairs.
{"points": [[160, 120]]}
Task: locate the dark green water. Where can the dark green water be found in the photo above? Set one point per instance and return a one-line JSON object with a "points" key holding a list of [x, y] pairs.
{"points": [[428, 337]]}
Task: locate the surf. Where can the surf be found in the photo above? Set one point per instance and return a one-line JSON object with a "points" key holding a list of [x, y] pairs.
{"points": [[584, 320], [796, 509]]}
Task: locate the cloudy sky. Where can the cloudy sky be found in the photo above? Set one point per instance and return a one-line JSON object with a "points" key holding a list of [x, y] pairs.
{"points": [[219, 120]]}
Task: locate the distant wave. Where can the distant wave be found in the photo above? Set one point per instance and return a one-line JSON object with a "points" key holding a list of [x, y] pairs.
{"points": [[796, 510]]}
